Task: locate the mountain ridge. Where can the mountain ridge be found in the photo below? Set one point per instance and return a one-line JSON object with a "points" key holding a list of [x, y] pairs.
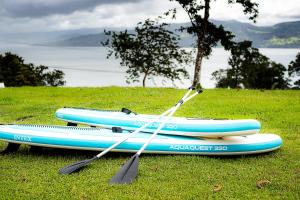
{"points": [[281, 35]]}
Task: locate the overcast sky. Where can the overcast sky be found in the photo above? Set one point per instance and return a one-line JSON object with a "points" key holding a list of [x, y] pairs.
{"points": [[38, 15]]}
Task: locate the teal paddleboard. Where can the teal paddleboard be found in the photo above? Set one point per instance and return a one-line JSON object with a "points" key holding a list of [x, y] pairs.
{"points": [[99, 139], [175, 126]]}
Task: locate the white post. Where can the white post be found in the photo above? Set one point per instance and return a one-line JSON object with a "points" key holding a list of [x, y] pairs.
{"points": [[2, 85]]}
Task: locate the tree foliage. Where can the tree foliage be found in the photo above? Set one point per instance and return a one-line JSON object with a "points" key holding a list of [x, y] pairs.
{"points": [[208, 34], [294, 70], [251, 69], [152, 50], [14, 72]]}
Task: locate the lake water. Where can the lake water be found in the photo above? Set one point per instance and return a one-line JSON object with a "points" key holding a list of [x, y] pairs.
{"points": [[88, 66]]}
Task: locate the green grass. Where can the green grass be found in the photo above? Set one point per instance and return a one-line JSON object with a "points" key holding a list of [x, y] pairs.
{"points": [[29, 174]]}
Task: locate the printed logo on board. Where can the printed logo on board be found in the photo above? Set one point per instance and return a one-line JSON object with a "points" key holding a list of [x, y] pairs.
{"points": [[155, 125], [22, 138], [199, 147]]}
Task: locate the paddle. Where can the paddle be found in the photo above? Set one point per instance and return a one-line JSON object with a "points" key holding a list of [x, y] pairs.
{"points": [[129, 170], [79, 165]]}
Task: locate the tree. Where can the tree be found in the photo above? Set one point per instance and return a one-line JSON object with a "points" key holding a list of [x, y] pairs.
{"points": [[14, 72], [251, 69], [151, 51], [208, 34], [294, 70]]}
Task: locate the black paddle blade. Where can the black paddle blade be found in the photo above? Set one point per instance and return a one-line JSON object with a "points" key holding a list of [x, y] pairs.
{"points": [[128, 172], [76, 166]]}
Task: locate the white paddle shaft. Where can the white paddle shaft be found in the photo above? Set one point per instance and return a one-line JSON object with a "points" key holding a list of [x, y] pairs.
{"points": [[162, 124]]}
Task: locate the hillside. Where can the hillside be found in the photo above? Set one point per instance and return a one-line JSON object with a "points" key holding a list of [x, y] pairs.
{"points": [[282, 35]]}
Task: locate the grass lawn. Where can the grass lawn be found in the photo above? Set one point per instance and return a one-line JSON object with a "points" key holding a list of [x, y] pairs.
{"points": [[32, 174]]}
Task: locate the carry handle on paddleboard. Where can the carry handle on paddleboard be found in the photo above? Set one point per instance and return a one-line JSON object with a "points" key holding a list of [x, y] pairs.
{"points": [[78, 165]]}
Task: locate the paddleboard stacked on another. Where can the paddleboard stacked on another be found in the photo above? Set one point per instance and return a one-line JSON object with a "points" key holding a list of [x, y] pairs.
{"points": [[207, 133], [129, 120], [179, 135]]}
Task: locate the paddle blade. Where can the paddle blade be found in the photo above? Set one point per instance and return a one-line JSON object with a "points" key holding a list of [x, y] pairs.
{"points": [[76, 166], [128, 171]]}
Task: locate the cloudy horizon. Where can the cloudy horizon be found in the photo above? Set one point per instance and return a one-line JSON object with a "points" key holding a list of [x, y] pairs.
{"points": [[46, 15]]}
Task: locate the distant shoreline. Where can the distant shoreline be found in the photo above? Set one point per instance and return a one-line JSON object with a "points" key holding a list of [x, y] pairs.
{"points": [[89, 67], [12, 44]]}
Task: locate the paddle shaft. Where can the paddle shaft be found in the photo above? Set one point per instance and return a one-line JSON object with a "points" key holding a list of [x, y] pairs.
{"points": [[165, 121], [129, 171], [184, 99]]}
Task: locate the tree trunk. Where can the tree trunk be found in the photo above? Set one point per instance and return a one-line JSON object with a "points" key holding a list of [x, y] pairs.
{"points": [[198, 63], [144, 80], [201, 44]]}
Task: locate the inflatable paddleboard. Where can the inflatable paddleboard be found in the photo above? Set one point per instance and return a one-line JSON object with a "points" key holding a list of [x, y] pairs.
{"points": [[99, 139], [176, 125]]}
